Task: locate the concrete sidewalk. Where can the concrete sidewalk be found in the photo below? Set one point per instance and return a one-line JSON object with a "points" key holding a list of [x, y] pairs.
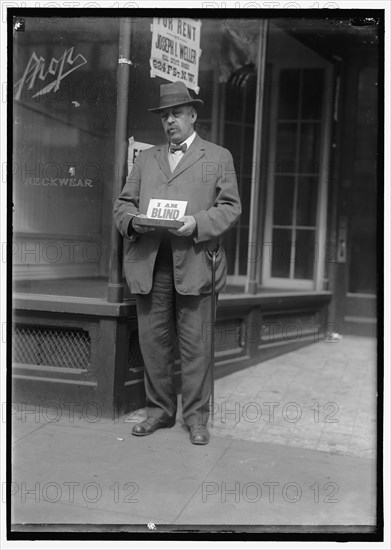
{"points": [[292, 444]]}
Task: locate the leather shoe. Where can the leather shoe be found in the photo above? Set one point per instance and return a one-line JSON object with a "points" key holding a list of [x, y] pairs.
{"points": [[150, 425], [199, 434]]}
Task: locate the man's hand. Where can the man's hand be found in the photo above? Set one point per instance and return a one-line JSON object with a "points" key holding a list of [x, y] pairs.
{"points": [[187, 228], [141, 228]]}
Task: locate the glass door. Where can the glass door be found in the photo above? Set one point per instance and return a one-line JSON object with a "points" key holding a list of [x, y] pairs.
{"points": [[295, 221]]}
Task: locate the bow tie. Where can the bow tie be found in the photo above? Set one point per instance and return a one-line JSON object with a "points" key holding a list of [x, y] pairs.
{"points": [[174, 147]]}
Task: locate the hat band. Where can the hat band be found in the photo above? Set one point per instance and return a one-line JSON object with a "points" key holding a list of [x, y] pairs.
{"points": [[171, 99]]}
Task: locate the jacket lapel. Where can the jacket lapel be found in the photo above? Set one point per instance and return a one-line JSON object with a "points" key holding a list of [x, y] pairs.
{"points": [[192, 155], [162, 159]]}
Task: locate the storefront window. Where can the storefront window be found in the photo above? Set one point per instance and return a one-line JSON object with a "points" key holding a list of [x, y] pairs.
{"points": [[63, 163]]}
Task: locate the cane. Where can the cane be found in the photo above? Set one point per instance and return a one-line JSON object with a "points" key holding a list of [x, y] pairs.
{"points": [[212, 341]]}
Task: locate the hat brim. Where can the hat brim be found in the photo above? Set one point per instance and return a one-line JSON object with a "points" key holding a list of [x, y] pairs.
{"points": [[195, 102]]}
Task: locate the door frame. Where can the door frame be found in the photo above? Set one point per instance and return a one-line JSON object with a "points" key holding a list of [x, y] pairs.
{"points": [[318, 281]]}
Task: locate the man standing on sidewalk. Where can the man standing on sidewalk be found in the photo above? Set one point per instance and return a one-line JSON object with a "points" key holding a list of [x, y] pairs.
{"points": [[170, 271]]}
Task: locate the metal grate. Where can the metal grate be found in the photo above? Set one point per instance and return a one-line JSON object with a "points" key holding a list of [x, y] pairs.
{"points": [[51, 347]]}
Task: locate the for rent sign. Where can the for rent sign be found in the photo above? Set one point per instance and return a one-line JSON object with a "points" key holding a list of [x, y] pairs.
{"points": [[175, 51]]}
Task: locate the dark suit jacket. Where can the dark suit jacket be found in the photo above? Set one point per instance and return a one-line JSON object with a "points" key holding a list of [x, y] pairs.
{"points": [[205, 177]]}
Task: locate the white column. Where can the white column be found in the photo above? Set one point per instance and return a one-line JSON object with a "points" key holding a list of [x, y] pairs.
{"points": [[253, 245]]}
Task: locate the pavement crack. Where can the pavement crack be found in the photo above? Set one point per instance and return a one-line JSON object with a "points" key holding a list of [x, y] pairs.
{"points": [[198, 486], [15, 441]]}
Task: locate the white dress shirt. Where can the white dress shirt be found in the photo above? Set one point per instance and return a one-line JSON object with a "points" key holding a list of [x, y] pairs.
{"points": [[174, 158]]}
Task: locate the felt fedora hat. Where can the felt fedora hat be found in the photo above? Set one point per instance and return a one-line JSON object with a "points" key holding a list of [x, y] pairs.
{"points": [[175, 94]]}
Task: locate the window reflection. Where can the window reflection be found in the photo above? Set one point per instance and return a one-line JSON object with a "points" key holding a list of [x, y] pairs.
{"points": [[307, 197], [312, 94], [281, 253], [284, 190], [289, 90], [64, 105], [304, 254]]}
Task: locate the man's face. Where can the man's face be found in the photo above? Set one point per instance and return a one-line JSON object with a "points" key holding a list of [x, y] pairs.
{"points": [[178, 122]]}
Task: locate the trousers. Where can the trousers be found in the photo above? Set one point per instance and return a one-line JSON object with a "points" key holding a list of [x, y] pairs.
{"points": [[165, 318]]}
